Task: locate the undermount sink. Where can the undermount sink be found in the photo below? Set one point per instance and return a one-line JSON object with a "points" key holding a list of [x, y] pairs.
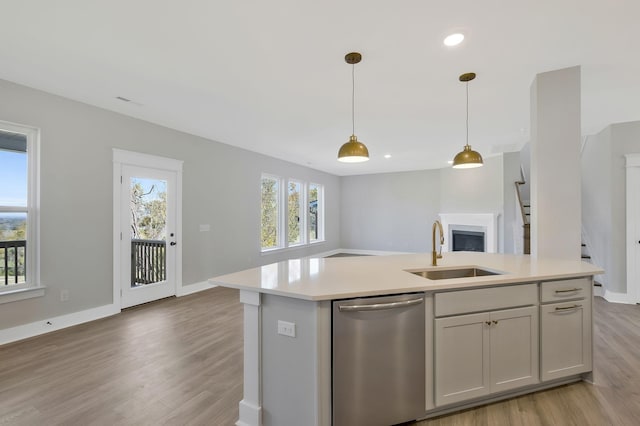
{"points": [[444, 274]]}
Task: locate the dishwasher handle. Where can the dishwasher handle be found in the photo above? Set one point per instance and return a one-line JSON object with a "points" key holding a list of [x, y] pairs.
{"points": [[380, 306]]}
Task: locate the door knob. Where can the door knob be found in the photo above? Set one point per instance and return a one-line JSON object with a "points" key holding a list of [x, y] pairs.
{"points": [[173, 243]]}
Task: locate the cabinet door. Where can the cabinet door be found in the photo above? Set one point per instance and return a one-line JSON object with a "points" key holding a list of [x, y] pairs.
{"points": [[566, 339], [462, 358], [514, 348]]}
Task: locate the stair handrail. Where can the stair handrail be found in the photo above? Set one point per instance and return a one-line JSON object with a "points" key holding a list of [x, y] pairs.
{"points": [[522, 181]]}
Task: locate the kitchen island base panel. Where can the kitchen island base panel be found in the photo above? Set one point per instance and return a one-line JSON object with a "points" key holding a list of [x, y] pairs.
{"points": [[296, 371], [454, 408]]}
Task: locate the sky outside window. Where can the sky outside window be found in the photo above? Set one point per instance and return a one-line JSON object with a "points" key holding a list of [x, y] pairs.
{"points": [[13, 178]]}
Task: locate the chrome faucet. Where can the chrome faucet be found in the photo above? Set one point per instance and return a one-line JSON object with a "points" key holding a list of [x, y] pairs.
{"points": [[435, 256]]}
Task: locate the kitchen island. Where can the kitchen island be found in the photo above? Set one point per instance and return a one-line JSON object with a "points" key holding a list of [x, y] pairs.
{"points": [[525, 326]]}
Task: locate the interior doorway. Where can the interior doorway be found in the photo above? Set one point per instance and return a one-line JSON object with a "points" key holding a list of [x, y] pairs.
{"points": [[147, 224]]}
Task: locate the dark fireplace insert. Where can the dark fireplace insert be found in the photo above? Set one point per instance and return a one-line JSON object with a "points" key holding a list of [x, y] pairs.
{"points": [[468, 241]]}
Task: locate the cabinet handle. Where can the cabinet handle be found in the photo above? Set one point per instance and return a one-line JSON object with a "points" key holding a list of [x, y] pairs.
{"points": [[569, 290], [566, 308], [488, 322], [495, 322]]}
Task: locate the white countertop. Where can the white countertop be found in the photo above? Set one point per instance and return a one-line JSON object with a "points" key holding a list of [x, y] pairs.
{"points": [[343, 277]]}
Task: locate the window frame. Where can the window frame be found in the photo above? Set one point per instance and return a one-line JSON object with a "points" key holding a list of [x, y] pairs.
{"points": [[320, 213], [282, 221], [32, 286]]}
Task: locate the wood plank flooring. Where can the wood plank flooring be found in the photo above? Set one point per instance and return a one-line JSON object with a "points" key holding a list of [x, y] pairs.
{"points": [[179, 362], [174, 362]]}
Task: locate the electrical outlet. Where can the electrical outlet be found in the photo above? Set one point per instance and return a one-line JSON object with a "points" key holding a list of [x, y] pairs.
{"points": [[287, 328], [64, 295]]}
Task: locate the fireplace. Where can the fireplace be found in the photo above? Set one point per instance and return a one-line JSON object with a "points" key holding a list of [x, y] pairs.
{"points": [[481, 227], [467, 241]]}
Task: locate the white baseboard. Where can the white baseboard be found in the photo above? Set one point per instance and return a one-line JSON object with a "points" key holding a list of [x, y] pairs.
{"points": [[194, 288], [598, 290], [249, 414], [47, 325], [613, 297]]}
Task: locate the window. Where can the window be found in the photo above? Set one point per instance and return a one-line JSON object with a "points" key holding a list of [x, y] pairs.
{"points": [[270, 211], [316, 233], [18, 207], [300, 223], [295, 210]]}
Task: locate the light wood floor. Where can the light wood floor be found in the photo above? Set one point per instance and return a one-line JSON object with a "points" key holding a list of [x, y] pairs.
{"points": [[179, 361], [175, 361]]}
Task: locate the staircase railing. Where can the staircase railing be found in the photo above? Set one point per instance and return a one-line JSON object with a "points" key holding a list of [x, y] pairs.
{"points": [[525, 220]]}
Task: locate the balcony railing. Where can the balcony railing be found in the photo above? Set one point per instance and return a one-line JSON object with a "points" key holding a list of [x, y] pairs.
{"points": [[148, 262], [13, 261]]}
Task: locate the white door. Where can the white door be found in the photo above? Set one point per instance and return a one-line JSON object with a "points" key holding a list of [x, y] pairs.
{"points": [[148, 234]]}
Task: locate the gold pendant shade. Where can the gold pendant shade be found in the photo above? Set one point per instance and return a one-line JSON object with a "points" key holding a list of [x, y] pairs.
{"points": [[353, 151]]}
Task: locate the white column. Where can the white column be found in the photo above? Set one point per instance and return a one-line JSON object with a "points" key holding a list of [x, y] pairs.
{"points": [[250, 413], [555, 165]]}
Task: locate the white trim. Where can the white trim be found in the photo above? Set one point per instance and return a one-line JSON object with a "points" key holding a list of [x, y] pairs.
{"points": [[633, 160], [598, 290], [614, 297], [250, 408], [633, 227], [137, 159], [194, 288], [43, 326], [146, 160], [21, 294]]}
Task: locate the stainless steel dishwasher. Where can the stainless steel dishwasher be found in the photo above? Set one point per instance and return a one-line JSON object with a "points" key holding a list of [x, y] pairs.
{"points": [[378, 360]]}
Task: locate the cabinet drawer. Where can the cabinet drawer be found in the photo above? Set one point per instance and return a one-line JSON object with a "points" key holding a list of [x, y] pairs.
{"points": [[485, 299], [555, 291]]}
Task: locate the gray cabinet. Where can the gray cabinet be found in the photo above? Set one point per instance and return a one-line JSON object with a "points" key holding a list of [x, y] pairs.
{"points": [[566, 334], [484, 353]]}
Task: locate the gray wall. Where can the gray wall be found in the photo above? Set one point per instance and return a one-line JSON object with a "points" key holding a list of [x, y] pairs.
{"points": [[597, 203], [604, 199], [395, 211], [389, 211], [220, 187]]}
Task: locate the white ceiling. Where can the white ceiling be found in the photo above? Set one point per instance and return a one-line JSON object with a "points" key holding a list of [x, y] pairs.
{"points": [[270, 76]]}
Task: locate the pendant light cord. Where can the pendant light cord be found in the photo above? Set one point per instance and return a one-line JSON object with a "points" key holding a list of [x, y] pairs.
{"points": [[353, 96], [467, 84]]}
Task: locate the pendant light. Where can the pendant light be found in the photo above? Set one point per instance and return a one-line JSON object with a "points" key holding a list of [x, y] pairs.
{"points": [[467, 158], [353, 151]]}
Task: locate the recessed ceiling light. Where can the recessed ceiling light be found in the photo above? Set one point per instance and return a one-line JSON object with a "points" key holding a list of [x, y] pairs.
{"points": [[387, 156], [453, 39]]}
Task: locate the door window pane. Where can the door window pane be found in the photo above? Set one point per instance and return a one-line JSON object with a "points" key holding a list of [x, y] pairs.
{"points": [[148, 230]]}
